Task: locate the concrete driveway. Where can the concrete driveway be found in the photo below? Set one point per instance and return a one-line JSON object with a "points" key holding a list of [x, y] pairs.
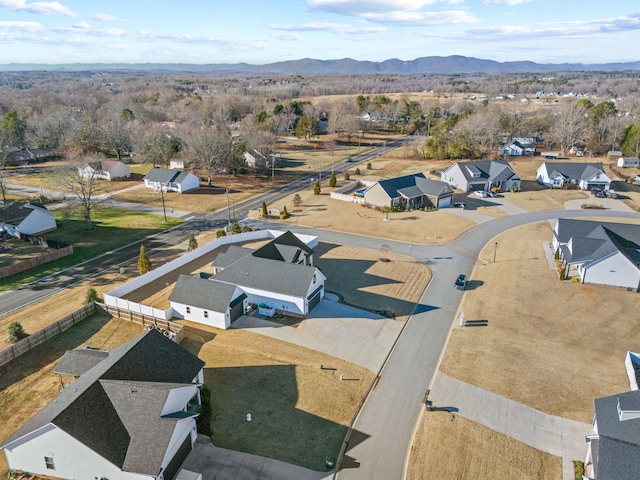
{"points": [[216, 463], [339, 330], [608, 204]]}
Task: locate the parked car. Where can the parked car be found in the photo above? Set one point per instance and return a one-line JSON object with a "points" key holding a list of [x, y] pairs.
{"points": [[349, 159], [461, 205], [636, 178], [461, 281], [480, 193]]}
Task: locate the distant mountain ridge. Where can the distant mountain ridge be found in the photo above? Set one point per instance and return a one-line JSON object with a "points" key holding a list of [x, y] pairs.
{"points": [[424, 65]]}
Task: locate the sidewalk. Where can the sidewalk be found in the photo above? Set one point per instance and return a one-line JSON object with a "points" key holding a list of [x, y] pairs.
{"points": [[555, 435], [222, 464]]}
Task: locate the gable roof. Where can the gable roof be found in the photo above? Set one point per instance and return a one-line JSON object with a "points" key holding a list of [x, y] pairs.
{"points": [[14, 213], [162, 175], [231, 256], [415, 185], [285, 248], [580, 171], [78, 362], [487, 170], [129, 433], [208, 294], [619, 443]]}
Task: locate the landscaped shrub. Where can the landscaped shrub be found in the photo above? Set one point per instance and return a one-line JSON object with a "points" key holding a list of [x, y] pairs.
{"points": [[92, 296], [557, 255], [144, 264], [332, 180], [235, 228], [193, 243], [316, 188], [357, 172], [562, 275], [263, 210], [369, 166], [203, 422], [284, 214], [221, 233], [346, 175], [16, 332], [578, 468], [297, 200]]}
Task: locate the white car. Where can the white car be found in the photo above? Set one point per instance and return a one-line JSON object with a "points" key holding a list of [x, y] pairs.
{"points": [[636, 178], [480, 193]]}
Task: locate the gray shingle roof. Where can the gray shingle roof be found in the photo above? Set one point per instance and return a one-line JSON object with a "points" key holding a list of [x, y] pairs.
{"points": [[488, 170], [208, 294], [14, 213], [618, 455], [286, 247], [92, 409], [231, 256], [78, 362], [574, 171], [162, 175], [415, 185], [271, 275]]}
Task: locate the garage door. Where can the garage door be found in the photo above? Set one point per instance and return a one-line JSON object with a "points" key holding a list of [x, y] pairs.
{"points": [[445, 202], [237, 307], [314, 298], [476, 186]]}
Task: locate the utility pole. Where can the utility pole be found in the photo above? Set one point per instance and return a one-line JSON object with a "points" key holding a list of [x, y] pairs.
{"points": [[228, 209], [164, 210], [495, 251]]}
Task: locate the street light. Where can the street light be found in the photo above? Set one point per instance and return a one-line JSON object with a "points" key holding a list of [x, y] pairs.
{"points": [[359, 139], [495, 251]]}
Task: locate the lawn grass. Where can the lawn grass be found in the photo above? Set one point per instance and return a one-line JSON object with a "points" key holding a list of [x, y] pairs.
{"points": [[113, 228], [300, 412], [28, 383]]}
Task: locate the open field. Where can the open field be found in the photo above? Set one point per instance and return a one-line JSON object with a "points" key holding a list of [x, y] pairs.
{"points": [[450, 446], [48, 181], [300, 412], [113, 228], [552, 345], [28, 383]]}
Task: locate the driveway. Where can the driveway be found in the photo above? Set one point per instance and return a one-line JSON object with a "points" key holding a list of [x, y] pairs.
{"points": [[339, 330], [216, 463], [608, 204]]}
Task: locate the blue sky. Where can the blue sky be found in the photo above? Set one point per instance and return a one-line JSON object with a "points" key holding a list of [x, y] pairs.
{"points": [[259, 32]]}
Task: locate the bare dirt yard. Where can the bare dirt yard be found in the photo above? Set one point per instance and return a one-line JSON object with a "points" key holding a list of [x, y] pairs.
{"points": [[450, 446], [300, 412], [28, 383], [552, 345]]}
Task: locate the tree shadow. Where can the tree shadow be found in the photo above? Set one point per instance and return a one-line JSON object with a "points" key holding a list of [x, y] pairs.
{"points": [[473, 284], [277, 428]]}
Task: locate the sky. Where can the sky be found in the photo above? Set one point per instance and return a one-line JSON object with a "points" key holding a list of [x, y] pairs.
{"points": [[264, 31]]}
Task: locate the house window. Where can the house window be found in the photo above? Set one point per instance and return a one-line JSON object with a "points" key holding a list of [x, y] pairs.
{"points": [[206, 314], [48, 461], [314, 278], [188, 309]]}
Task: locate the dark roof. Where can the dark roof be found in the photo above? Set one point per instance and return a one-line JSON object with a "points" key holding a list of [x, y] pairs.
{"points": [[208, 294], [231, 256], [412, 186], [618, 455], [14, 213], [78, 362], [162, 175], [266, 274], [115, 408], [592, 240], [578, 171], [487, 170], [286, 248]]}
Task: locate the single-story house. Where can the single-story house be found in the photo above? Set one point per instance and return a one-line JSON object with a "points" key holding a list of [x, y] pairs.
{"points": [[603, 253], [516, 149], [130, 414], [628, 162], [483, 175], [614, 447], [583, 175], [176, 164], [105, 170], [25, 218], [23, 156], [279, 276], [409, 191], [614, 154], [170, 180]]}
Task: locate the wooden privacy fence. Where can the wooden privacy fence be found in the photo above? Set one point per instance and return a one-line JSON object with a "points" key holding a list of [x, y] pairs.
{"points": [[48, 256], [170, 329], [46, 333]]}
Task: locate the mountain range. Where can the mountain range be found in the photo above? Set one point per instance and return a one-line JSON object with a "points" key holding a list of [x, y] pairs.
{"points": [[454, 64]]}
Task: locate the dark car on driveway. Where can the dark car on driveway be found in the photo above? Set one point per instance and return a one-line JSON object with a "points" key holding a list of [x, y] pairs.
{"points": [[461, 281]]}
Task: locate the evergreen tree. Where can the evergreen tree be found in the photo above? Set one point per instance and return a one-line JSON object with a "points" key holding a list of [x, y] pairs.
{"points": [[297, 200], [332, 180], [316, 188], [144, 264], [263, 211], [193, 243], [92, 295], [16, 332]]}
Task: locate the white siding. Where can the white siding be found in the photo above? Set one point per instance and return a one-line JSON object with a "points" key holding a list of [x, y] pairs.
{"points": [[213, 319], [616, 270], [188, 183], [178, 399], [38, 221], [185, 427], [72, 460]]}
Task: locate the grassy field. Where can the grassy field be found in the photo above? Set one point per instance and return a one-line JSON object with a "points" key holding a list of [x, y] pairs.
{"points": [[450, 446], [28, 383], [113, 228], [300, 412], [552, 345]]}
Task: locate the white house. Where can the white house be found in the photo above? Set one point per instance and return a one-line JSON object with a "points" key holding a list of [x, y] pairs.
{"points": [[170, 180], [484, 175], [628, 162], [409, 191], [129, 416], [516, 149], [105, 170], [603, 253], [279, 276], [25, 218], [582, 175]]}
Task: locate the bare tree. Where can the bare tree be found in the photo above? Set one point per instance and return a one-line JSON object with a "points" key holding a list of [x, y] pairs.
{"points": [[568, 127]]}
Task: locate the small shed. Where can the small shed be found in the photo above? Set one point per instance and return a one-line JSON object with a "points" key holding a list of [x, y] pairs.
{"points": [[628, 162]]}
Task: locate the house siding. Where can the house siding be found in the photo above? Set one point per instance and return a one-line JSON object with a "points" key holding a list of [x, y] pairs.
{"points": [[72, 459], [185, 431], [214, 319], [37, 222], [377, 196], [178, 398], [615, 270]]}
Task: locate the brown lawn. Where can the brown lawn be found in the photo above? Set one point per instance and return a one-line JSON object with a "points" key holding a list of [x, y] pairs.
{"points": [[552, 345], [300, 412], [28, 383], [450, 446]]}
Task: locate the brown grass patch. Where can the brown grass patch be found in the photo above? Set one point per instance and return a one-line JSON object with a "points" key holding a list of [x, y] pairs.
{"points": [[450, 446], [285, 390], [552, 345]]}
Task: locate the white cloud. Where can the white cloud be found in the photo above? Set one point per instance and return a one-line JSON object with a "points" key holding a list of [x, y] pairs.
{"points": [[44, 8], [510, 3], [339, 28], [30, 27], [105, 17], [356, 7], [290, 37], [422, 18]]}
